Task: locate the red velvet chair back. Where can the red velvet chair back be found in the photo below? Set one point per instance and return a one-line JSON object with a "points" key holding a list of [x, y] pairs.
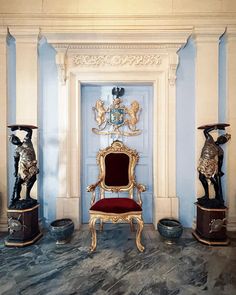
{"points": [[117, 164], [117, 170]]}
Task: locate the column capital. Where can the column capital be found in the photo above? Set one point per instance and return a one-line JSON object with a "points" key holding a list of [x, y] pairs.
{"points": [[3, 33], [208, 34], [231, 33], [25, 35]]}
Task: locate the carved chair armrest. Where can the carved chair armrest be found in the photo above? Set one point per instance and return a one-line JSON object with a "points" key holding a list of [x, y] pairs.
{"points": [[91, 188], [140, 188]]}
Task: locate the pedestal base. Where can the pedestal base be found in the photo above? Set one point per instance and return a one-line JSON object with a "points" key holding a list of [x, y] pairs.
{"points": [[209, 242], [23, 227], [11, 243], [211, 226]]}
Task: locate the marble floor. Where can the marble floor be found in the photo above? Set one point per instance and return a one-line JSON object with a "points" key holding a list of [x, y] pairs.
{"points": [[117, 267]]}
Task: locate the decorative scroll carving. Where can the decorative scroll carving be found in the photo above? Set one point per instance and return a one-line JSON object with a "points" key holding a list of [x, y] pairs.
{"points": [[116, 60], [61, 62], [173, 64], [172, 74], [117, 147]]}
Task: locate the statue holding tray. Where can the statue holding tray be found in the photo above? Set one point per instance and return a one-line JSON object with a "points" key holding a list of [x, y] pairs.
{"points": [[23, 225], [210, 165], [26, 169], [211, 218]]}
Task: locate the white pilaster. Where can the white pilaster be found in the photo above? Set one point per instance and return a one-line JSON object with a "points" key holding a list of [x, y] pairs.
{"points": [[206, 106], [231, 119], [27, 81], [68, 200], [167, 204], [3, 129]]}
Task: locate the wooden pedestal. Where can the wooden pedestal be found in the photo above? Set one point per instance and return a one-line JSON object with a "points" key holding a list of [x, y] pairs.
{"points": [[23, 227], [211, 226]]}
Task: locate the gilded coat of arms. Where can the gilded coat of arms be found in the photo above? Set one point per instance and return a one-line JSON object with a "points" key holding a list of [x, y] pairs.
{"points": [[115, 118]]}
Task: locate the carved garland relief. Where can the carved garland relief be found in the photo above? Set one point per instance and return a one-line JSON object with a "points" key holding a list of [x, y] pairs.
{"points": [[116, 60], [97, 61]]}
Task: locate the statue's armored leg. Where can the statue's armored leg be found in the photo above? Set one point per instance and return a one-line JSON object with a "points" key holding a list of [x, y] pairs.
{"points": [[218, 189], [29, 186], [19, 182], [204, 182], [13, 197]]}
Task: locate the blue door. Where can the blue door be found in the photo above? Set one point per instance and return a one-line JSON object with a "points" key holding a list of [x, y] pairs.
{"points": [[91, 143]]}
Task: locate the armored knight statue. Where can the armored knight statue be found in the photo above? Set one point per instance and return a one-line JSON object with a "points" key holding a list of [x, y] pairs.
{"points": [[26, 169], [210, 165]]}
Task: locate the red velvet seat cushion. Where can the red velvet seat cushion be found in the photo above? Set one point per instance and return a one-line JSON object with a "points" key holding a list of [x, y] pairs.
{"points": [[116, 205]]}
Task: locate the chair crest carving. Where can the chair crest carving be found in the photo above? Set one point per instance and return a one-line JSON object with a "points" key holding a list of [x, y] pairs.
{"points": [[118, 146], [116, 174]]}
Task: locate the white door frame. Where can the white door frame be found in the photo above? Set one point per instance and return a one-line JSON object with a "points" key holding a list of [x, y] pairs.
{"points": [[154, 64]]}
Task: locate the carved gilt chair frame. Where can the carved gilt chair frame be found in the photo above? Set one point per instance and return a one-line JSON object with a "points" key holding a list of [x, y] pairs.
{"points": [[116, 147]]}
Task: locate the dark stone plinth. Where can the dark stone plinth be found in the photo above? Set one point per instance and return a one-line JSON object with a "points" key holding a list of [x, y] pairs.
{"points": [[23, 227], [23, 204], [211, 226], [210, 203]]}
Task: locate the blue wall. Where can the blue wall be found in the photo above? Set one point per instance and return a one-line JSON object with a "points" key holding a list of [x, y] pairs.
{"points": [[11, 115], [48, 131], [222, 101], [185, 125], [47, 123]]}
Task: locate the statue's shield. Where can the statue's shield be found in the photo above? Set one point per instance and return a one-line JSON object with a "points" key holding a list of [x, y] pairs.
{"points": [[117, 116]]}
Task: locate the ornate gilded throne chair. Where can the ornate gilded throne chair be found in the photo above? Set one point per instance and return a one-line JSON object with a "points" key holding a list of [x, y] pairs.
{"points": [[116, 164]]}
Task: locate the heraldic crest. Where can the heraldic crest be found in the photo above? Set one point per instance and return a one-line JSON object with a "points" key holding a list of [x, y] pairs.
{"points": [[111, 119]]}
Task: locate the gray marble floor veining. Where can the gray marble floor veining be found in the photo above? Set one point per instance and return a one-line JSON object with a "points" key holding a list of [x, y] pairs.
{"points": [[187, 268]]}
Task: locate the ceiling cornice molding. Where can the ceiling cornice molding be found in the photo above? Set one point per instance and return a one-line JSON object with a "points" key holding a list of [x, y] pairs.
{"points": [[175, 15], [120, 38], [71, 47], [86, 21]]}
